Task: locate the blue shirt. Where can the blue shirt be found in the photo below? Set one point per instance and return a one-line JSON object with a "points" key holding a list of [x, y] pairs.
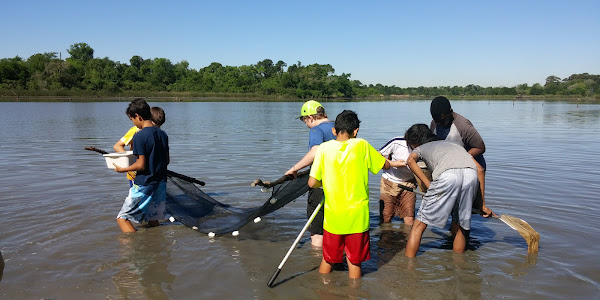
{"points": [[153, 143], [442, 132], [319, 134]]}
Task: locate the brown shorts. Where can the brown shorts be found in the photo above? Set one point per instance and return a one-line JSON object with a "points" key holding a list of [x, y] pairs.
{"points": [[396, 201]]}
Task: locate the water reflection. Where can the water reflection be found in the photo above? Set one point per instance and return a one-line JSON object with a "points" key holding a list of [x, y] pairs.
{"points": [[143, 268], [460, 275], [391, 241], [583, 116], [347, 289]]}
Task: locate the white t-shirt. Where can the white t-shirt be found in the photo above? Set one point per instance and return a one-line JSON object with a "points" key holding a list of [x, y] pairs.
{"points": [[397, 149]]}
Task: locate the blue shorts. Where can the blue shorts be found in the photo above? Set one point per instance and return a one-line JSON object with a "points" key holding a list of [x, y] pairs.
{"points": [[145, 202]]}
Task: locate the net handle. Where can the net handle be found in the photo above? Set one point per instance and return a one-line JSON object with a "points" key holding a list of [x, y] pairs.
{"points": [[284, 178], [169, 172]]}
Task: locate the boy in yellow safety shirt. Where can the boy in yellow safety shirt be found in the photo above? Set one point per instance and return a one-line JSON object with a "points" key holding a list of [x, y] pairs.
{"points": [[342, 167]]}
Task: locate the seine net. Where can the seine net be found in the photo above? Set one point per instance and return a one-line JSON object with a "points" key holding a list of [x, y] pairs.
{"points": [[188, 204]]}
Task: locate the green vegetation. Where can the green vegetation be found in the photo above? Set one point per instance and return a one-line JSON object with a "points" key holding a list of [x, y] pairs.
{"points": [[82, 75]]}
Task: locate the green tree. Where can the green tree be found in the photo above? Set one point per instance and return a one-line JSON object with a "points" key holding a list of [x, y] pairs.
{"points": [[14, 73], [266, 68], [162, 74], [578, 88], [37, 62], [81, 51], [522, 89], [103, 74], [536, 89], [552, 85], [279, 66]]}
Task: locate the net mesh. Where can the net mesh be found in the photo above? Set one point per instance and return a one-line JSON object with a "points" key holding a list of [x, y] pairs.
{"points": [[188, 204], [531, 236]]}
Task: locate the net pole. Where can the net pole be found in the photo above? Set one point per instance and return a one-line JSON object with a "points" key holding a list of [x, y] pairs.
{"points": [[312, 217]]}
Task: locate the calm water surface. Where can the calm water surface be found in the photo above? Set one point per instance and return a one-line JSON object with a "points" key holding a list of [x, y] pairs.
{"points": [[60, 240]]}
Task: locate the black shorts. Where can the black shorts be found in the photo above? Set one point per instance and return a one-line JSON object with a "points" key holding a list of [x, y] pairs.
{"points": [[314, 198]]}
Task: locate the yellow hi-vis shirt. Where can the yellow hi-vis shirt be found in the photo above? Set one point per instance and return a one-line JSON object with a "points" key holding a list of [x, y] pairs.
{"points": [[343, 168], [126, 139]]}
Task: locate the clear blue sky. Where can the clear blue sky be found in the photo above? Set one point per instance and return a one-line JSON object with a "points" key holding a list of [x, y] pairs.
{"points": [[402, 43]]}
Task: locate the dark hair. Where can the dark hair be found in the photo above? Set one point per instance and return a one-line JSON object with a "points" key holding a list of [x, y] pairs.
{"points": [[158, 115], [347, 121], [439, 105], [419, 134], [320, 113], [140, 107]]}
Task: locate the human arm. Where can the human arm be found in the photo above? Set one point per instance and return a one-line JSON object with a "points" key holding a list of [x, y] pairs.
{"points": [[306, 161], [470, 136], [314, 183], [474, 142], [168, 150], [126, 139], [411, 162], [315, 179], [432, 126], [394, 164], [119, 146], [486, 212], [477, 151]]}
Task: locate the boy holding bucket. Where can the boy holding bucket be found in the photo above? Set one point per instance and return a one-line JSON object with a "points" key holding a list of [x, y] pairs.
{"points": [[151, 147]]}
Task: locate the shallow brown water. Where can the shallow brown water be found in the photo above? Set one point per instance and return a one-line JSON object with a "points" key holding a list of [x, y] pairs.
{"points": [[59, 238]]}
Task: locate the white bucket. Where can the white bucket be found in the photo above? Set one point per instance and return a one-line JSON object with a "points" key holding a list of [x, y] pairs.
{"points": [[123, 159]]}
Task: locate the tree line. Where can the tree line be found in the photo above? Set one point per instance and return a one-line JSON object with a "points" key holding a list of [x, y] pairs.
{"points": [[83, 72]]}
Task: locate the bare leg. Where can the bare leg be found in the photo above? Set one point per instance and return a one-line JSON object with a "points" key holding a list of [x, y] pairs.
{"points": [[414, 238], [125, 225], [454, 228], [325, 267], [460, 240], [353, 270], [409, 220], [316, 240]]}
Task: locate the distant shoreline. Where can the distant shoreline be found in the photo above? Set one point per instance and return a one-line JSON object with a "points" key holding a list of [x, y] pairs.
{"points": [[269, 98]]}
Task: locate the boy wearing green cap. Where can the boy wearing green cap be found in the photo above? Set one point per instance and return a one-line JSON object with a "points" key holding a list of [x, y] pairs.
{"points": [[314, 116]]}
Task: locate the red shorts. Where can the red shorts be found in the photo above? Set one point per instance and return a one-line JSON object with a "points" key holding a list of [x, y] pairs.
{"points": [[356, 245]]}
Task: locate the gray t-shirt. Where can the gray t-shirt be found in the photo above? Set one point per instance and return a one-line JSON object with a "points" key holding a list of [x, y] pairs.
{"points": [[443, 155]]}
